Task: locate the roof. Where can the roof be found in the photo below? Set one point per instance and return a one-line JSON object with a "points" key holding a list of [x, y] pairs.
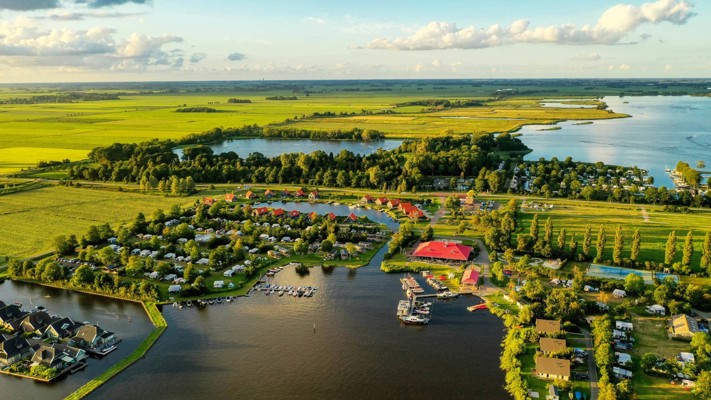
{"points": [[313, 215], [208, 200], [11, 312], [552, 366], [470, 276], [352, 217], [683, 324], [443, 250], [249, 194], [547, 326], [277, 212], [331, 216], [230, 196], [14, 345], [294, 213], [268, 192], [550, 345], [261, 210]]}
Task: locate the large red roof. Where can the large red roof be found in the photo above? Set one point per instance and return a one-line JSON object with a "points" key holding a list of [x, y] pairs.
{"points": [[443, 250]]}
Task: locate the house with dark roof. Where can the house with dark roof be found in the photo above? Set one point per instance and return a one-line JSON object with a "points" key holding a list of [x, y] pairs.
{"points": [[60, 328], [285, 193], [552, 368], [548, 326], [11, 316], [551, 345], [92, 337], [57, 356], [35, 322], [268, 194], [13, 349]]}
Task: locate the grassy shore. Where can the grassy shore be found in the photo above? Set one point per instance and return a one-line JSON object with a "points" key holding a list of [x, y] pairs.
{"points": [[160, 326]]}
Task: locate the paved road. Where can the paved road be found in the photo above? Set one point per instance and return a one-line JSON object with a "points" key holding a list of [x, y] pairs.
{"points": [[592, 371]]}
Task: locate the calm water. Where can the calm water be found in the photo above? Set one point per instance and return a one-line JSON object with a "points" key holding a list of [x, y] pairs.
{"points": [[275, 147], [265, 347], [79, 307], [662, 131]]}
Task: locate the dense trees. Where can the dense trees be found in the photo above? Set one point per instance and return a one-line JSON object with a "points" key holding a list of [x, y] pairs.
{"points": [[670, 248]]}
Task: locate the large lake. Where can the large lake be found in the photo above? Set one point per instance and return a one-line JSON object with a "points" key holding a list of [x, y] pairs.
{"points": [[662, 131], [265, 347], [109, 314], [276, 147]]}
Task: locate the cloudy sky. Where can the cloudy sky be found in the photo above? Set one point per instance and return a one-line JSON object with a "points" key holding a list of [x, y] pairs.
{"points": [[129, 40]]}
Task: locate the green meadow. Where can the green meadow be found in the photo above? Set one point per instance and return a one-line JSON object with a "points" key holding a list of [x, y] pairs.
{"points": [[31, 219], [30, 133]]}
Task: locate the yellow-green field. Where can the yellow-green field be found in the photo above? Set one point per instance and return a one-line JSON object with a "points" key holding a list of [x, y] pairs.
{"points": [[30, 133], [31, 219]]}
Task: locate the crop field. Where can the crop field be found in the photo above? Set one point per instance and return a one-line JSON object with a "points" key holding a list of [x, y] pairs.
{"points": [[574, 215], [30, 133], [31, 219]]}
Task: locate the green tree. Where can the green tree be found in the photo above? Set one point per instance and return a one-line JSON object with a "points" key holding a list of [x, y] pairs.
{"points": [[453, 204], [636, 243], [427, 234], [587, 240], [573, 246], [670, 249], [688, 251], [706, 252], [618, 246], [62, 245], [634, 284], [301, 246], [600, 244], [82, 276], [533, 231], [548, 232], [326, 246], [561, 239], [703, 385]]}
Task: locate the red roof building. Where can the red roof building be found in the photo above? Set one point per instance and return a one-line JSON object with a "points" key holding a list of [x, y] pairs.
{"points": [[299, 193], [268, 193], [411, 211], [443, 251], [313, 195], [470, 277], [294, 213], [394, 203], [230, 197], [366, 199], [381, 201], [332, 216], [313, 215], [260, 211], [352, 217], [250, 195], [278, 212], [208, 201]]}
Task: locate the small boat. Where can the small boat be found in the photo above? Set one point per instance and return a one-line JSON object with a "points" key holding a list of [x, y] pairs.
{"points": [[281, 293], [476, 307], [180, 305], [447, 295], [189, 303], [219, 300], [175, 304], [40, 308], [414, 320], [423, 311], [228, 299]]}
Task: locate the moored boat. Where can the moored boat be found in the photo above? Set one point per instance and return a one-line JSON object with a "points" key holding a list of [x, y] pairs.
{"points": [[415, 320]]}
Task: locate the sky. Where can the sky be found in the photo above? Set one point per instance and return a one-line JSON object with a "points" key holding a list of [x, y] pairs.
{"points": [[162, 40]]}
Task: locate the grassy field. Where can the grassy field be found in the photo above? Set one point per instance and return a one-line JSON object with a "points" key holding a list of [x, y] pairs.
{"points": [[31, 219], [574, 215], [41, 132]]}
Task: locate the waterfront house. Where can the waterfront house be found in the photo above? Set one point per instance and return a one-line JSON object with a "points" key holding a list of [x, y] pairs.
{"points": [[394, 203], [278, 212], [92, 337], [449, 251], [470, 278], [551, 345], [381, 201], [313, 195], [249, 195], [682, 326], [313, 215], [548, 326], [258, 212], [35, 322], [331, 216], [13, 349], [552, 368], [367, 199], [57, 356], [294, 213], [60, 328], [351, 218], [11, 316]]}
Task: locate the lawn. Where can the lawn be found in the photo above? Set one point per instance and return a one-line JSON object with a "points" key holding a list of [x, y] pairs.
{"points": [[31, 219], [30, 133], [650, 337]]}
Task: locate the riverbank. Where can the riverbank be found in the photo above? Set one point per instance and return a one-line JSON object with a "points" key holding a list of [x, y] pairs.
{"points": [[160, 326]]}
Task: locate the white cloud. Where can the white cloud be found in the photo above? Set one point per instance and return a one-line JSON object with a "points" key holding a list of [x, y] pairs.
{"points": [[586, 57], [668, 67], [316, 21], [623, 67], [611, 28]]}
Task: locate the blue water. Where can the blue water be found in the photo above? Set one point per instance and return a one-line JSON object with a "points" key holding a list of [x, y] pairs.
{"points": [[662, 131]]}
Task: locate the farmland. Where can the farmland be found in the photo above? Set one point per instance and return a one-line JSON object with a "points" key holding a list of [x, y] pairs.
{"points": [[30, 133], [31, 219]]}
